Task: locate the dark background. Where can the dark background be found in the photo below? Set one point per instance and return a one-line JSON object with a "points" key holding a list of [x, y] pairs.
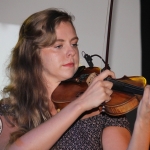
{"points": [[145, 49]]}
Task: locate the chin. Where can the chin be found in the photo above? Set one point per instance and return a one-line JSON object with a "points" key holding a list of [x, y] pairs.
{"points": [[68, 76]]}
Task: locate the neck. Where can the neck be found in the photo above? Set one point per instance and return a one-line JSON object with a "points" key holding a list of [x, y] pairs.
{"points": [[50, 88]]}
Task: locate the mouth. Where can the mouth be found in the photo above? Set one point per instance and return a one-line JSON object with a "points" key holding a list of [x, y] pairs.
{"points": [[69, 65]]}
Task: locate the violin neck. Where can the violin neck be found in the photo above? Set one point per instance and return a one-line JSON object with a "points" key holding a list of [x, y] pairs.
{"points": [[125, 87]]}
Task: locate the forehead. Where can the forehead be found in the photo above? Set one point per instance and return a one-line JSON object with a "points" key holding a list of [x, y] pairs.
{"points": [[64, 27]]}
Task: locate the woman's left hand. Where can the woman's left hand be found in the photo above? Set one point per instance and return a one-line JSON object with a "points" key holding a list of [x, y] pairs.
{"points": [[143, 112]]}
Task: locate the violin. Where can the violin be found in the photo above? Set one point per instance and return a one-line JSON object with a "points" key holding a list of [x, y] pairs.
{"points": [[127, 91]]}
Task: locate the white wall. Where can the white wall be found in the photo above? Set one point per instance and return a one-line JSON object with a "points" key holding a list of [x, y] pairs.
{"points": [[90, 22]]}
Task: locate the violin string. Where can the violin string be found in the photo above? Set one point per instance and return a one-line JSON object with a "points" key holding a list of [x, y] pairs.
{"points": [[129, 85]]}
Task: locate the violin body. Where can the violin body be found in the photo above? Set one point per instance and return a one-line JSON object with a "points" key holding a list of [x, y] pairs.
{"points": [[69, 90], [127, 91], [124, 101]]}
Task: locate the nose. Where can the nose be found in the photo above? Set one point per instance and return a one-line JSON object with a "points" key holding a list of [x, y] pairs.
{"points": [[71, 51]]}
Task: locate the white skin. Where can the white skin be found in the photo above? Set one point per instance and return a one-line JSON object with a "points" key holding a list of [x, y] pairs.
{"points": [[141, 134], [60, 62]]}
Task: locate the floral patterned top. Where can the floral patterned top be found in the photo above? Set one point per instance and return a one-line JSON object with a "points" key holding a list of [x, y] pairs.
{"points": [[86, 134]]}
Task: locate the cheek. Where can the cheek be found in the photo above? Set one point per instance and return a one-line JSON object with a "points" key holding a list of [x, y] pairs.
{"points": [[49, 64], [52, 61], [47, 60], [77, 58]]}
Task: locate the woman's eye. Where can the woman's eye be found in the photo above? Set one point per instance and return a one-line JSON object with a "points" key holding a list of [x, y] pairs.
{"points": [[75, 45], [58, 46]]}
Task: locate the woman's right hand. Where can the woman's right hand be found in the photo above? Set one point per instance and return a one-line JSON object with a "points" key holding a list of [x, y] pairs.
{"points": [[98, 92]]}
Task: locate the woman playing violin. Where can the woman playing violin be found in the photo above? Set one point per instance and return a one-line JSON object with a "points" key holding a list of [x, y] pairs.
{"points": [[46, 54]]}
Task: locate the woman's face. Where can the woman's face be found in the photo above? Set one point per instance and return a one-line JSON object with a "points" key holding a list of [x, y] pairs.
{"points": [[61, 60]]}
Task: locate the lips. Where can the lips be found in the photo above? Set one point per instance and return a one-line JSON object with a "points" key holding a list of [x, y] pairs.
{"points": [[69, 65]]}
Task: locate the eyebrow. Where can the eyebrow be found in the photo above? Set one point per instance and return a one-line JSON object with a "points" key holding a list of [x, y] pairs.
{"points": [[61, 40]]}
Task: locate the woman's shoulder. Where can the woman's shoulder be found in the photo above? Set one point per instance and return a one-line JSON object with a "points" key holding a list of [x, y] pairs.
{"points": [[6, 125], [5, 130], [1, 126], [6, 119], [6, 108]]}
